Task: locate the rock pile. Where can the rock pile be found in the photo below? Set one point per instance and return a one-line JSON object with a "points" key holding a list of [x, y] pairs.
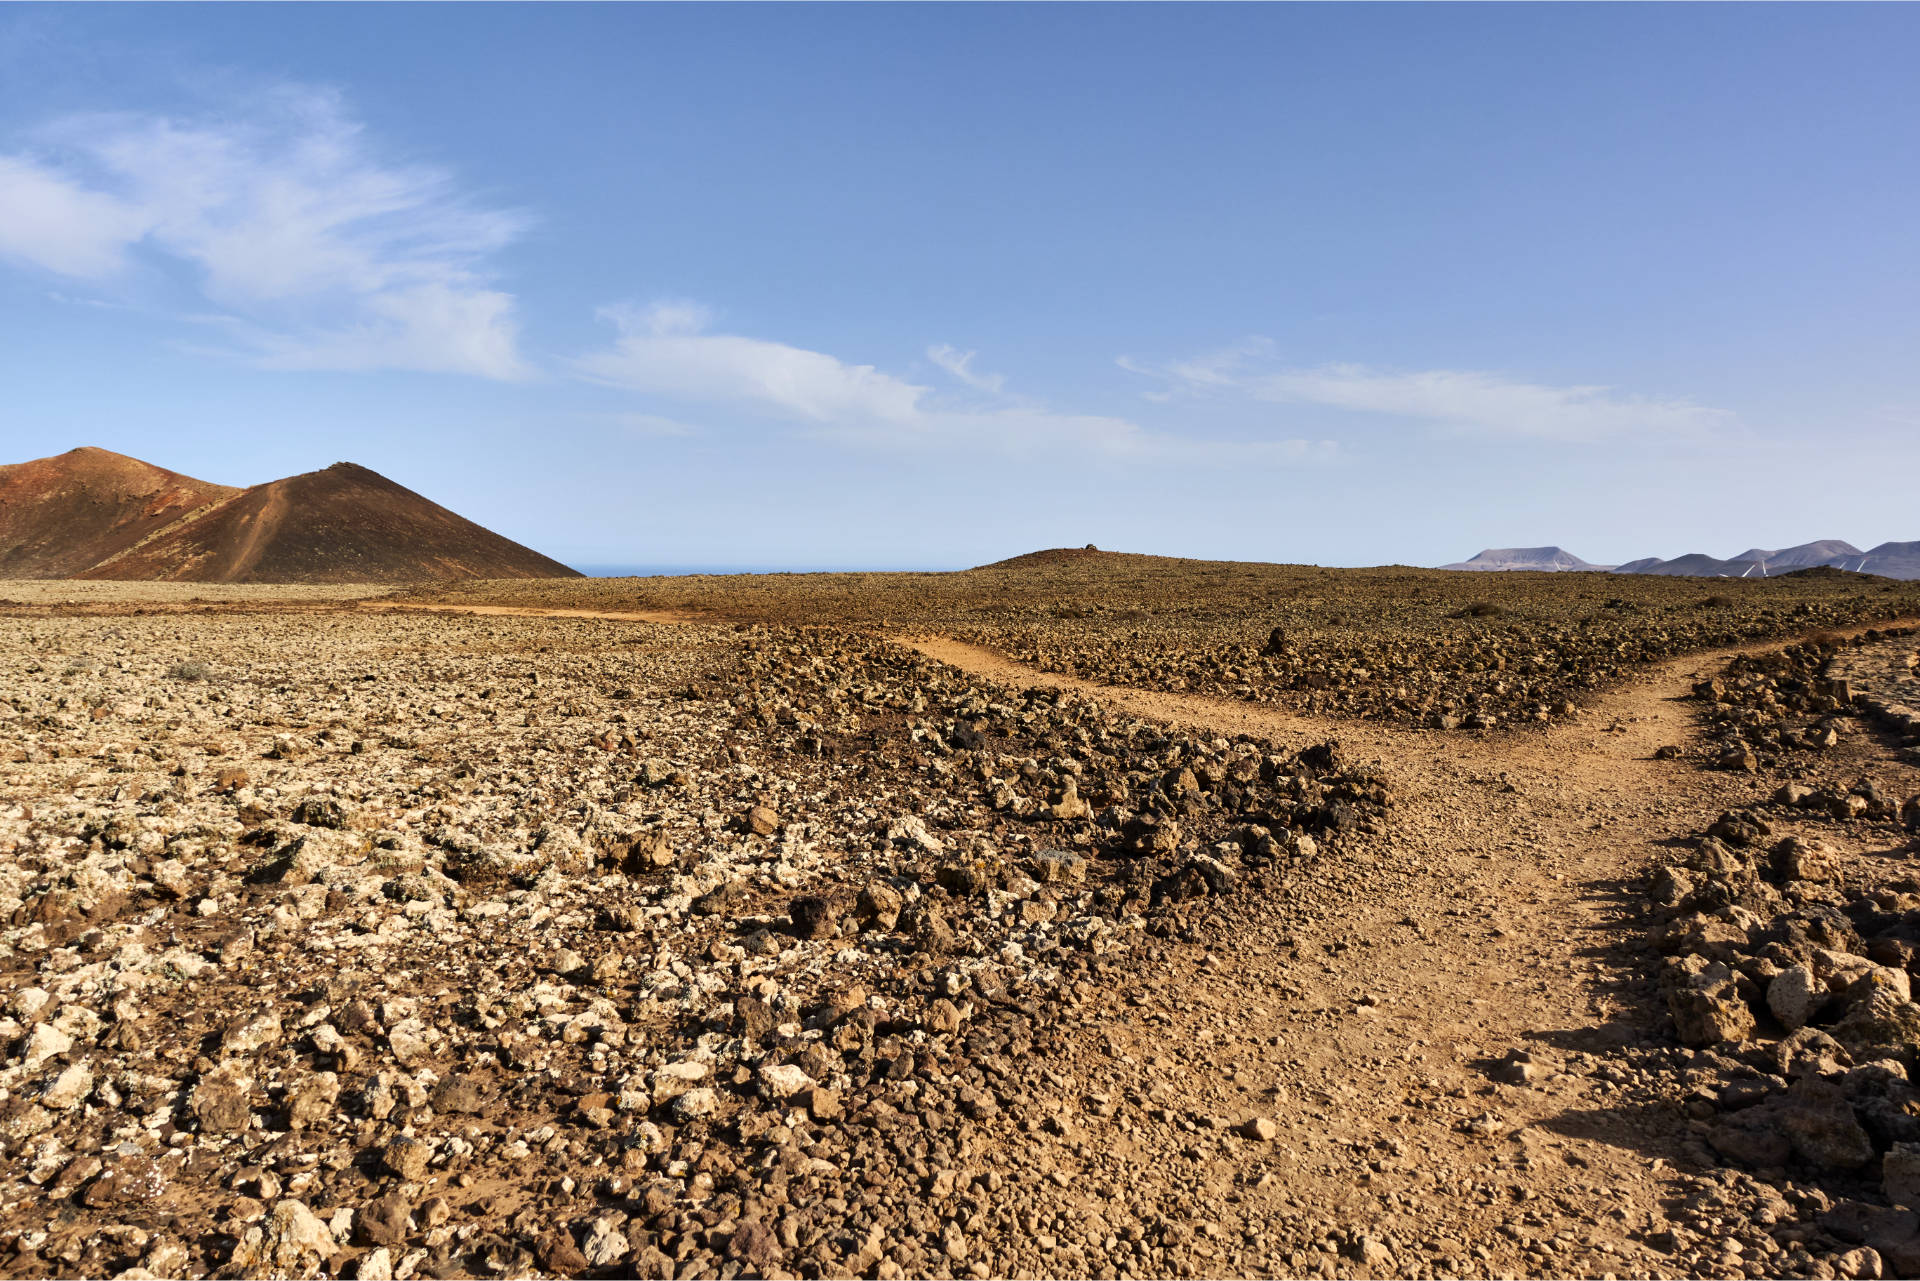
{"points": [[417, 946], [1790, 943], [1883, 678], [1765, 708], [1471, 671], [1424, 647]]}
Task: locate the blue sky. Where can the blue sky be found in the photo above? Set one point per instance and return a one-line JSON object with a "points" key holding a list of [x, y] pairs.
{"points": [[926, 286]]}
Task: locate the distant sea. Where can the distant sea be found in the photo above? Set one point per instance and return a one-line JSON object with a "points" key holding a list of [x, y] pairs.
{"points": [[673, 571]]}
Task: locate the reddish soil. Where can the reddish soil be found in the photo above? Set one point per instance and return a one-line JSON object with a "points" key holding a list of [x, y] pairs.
{"points": [[89, 513], [61, 515], [344, 524]]}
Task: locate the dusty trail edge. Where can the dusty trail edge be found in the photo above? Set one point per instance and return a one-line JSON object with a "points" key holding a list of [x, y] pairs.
{"points": [[1490, 916]]}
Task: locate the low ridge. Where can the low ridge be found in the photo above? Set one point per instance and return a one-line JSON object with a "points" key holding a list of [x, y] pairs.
{"points": [[1889, 560], [94, 514], [1824, 552], [1701, 565]]}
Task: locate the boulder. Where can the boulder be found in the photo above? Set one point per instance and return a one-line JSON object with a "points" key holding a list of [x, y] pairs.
{"points": [[458, 1095], [1671, 886], [670, 1082], [1819, 1121], [879, 905], [1900, 1174], [292, 1241], [1809, 1052], [222, 1101], [408, 1158], [752, 1017], [1058, 867], [782, 1080], [1705, 1003], [384, 1220], [695, 1104], [69, 1089], [311, 1100], [814, 916], [1795, 859], [1702, 935], [1795, 996], [1881, 1025], [1752, 1137], [604, 1244]]}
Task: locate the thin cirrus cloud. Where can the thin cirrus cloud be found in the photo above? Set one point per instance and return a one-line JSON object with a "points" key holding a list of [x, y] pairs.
{"points": [[315, 253], [62, 226], [960, 365], [1458, 401], [665, 350]]}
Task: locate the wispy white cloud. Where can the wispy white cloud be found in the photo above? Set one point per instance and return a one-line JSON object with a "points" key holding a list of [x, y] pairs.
{"points": [[664, 350], [1462, 401], [98, 304], [63, 227], [1034, 431], [960, 365], [320, 254]]}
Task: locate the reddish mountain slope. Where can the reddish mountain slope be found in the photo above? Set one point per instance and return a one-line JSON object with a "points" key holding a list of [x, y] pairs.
{"points": [[60, 515], [92, 514]]}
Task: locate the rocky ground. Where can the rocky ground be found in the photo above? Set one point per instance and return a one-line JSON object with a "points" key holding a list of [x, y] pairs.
{"points": [[1410, 646], [403, 943], [406, 944], [1789, 927]]}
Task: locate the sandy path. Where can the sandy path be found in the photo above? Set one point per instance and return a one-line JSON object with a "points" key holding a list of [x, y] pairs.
{"points": [[1360, 1012], [1363, 1017], [1360, 1020]]}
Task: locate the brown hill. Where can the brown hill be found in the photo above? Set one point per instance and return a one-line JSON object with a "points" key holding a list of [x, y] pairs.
{"points": [[1055, 556], [1091, 558], [94, 514], [58, 516]]}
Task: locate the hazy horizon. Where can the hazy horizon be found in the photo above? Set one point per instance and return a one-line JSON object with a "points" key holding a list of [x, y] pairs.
{"points": [[935, 285]]}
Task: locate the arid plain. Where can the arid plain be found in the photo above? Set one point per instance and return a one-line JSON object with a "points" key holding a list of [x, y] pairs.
{"points": [[1078, 915]]}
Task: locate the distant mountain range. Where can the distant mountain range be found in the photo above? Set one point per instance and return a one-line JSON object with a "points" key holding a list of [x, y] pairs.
{"points": [[1889, 560], [91, 513], [1534, 559]]}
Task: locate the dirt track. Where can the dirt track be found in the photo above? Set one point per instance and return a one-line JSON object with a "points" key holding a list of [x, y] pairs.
{"points": [[1492, 926], [1486, 920]]}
